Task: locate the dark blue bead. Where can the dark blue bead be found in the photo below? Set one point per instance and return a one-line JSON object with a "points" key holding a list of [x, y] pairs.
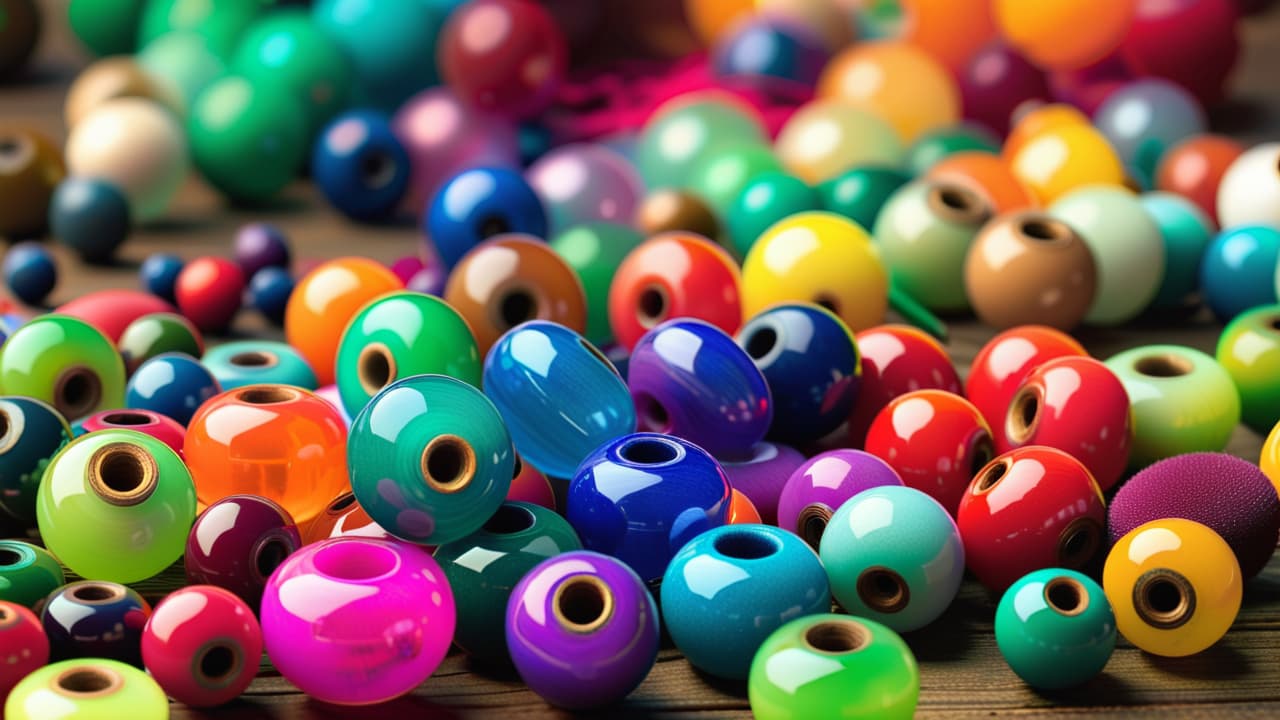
{"points": [[95, 619], [172, 384], [360, 165], [477, 204], [260, 245], [90, 216], [269, 291], [641, 497], [29, 272], [33, 432], [158, 274], [770, 48]]}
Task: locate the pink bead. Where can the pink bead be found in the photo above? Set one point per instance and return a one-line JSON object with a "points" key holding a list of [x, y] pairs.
{"points": [[203, 645], [161, 427], [583, 183], [405, 267], [24, 648]]}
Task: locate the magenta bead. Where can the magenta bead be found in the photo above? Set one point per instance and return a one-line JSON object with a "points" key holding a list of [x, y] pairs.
{"points": [[405, 267], [998, 80], [583, 183], [356, 621], [237, 542], [582, 630], [203, 646], [762, 475], [820, 486], [161, 427]]}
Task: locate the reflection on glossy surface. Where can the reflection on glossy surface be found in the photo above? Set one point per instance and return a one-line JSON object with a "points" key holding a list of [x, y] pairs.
{"points": [[251, 362], [33, 433], [161, 427], [237, 542], [65, 362], [477, 204], [28, 574], [95, 619], [26, 646], [343, 518], [39, 697], [825, 482], [896, 359], [172, 384], [1005, 361], [1055, 628]]}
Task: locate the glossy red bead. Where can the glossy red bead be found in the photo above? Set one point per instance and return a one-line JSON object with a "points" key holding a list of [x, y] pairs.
{"points": [[935, 440], [1194, 43], [203, 646], [1030, 508], [208, 291], [161, 427], [896, 359], [111, 311], [1079, 406], [24, 648]]}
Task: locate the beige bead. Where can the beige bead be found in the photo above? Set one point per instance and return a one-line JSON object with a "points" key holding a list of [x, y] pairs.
{"points": [[111, 78]]}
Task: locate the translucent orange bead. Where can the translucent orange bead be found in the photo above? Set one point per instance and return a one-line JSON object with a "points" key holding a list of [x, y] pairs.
{"points": [[987, 175], [950, 30], [1064, 158], [1038, 120], [896, 80], [742, 511], [1064, 34]]}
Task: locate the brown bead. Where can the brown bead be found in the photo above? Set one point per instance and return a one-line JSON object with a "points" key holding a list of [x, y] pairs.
{"points": [[1029, 268], [510, 279], [668, 210], [110, 78], [30, 168], [19, 31]]}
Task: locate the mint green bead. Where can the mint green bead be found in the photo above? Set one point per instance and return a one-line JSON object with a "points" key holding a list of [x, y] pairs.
{"points": [[594, 251], [116, 505], [722, 174], [681, 136], [934, 146], [28, 573], [255, 362], [766, 199], [859, 193], [184, 60], [65, 362], [221, 22], [1055, 628], [106, 27], [87, 689]]}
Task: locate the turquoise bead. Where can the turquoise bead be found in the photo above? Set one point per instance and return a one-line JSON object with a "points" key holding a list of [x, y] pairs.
{"points": [[1186, 232], [253, 362], [743, 581], [430, 459], [764, 200], [1055, 628], [893, 554], [859, 193], [28, 573], [31, 433]]}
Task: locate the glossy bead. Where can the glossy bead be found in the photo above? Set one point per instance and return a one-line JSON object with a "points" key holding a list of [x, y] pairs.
{"points": [[323, 304], [237, 542], [90, 216], [822, 484], [106, 28], [761, 474], [1175, 586], [667, 210], [1057, 160], [357, 621], [1055, 628], [896, 80], [269, 291], [641, 497], [1182, 401], [1192, 43], [558, 395], [772, 53], [478, 204], [87, 688], [1250, 189], [26, 648], [251, 362], [111, 78], [30, 273], [995, 82], [1249, 350], [483, 568], [1145, 118], [343, 518], [1238, 270], [260, 245], [1038, 31], [221, 25], [530, 486], [28, 573], [987, 175], [896, 359], [595, 250], [721, 175], [209, 291], [685, 129], [585, 183], [860, 192], [155, 334], [161, 427], [159, 273], [1077, 405], [32, 169], [185, 60], [94, 619], [852, 137], [1186, 232], [940, 143], [33, 432], [1039, 500], [764, 200], [824, 667], [111, 311], [203, 645], [1194, 168], [173, 384], [391, 46], [360, 165], [1002, 365], [64, 362], [281, 442], [741, 510]]}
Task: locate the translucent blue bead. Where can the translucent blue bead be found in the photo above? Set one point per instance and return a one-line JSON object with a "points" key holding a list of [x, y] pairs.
{"points": [[172, 384], [251, 362], [477, 204]]}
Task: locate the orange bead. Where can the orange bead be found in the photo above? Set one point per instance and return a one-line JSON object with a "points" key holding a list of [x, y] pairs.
{"points": [[950, 30], [824, 17], [343, 518], [1194, 167], [1064, 34], [1038, 120], [987, 175], [325, 300], [896, 80], [742, 511], [709, 19], [1064, 158]]}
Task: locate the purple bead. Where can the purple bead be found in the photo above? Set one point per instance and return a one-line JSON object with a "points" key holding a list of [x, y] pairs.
{"points": [[998, 80], [582, 629], [429, 280], [237, 542], [584, 182], [762, 474], [260, 245], [820, 486]]}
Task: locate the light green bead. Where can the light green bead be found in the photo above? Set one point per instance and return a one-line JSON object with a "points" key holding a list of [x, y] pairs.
{"points": [[1249, 350], [594, 251], [184, 61], [87, 689], [724, 172], [221, 22], [766, 199], [107, 27], [65, 362], [679, 137]]}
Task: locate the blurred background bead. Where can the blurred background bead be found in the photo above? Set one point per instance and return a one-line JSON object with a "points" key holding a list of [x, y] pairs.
{"points": [[159, 273], [478, 204], [1249, 191], [822, 484], [1238, 269], [584, 183], [28, 574], [1055, 628], [766, 199], [829, 136], [995, 82], [26, 646], [898, 81], [1037, 30], [771, 52], [1194, 168], [360, 165], [1143, 119], [683, 130], [95, 619], [952, 32], [896, 359], [202, 645], [936, 145], [861, 192], [668, 210], [155, 334], [595, 250], [1186, 231], [30, 273], [116, 77], [1194, 43], [220, 24], [185, 61], [106, 28], [209, 291], [30, 170], [721, 175], [111, 311], [89, 216], [391, 47], [1249, 350], [1056, 160]]}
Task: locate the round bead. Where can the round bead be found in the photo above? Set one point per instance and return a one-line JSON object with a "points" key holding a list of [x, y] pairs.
{"points": [[28, 573], [1002, 365], [936, 145], [260, 245], [269, 291], [26, 648], [1175, 586], [1055, 628], [585, 183], [764, 200], [377, 610], [32, 433], [161, 427], [156, 334], [1191, 42], [477, 204], [822, 484], [861, 192], [361, 166], [172, 384], [251, 362], [1194, 168], [237, 542], [87, 688], [32, 168], [595, 250], [185, 60], [1143, 119], [772, 53], [30, 273], [220, 24], [684, 130], [898, 81], [209, 291], [761, 474], [741, 509], [667, 210], [987, 175], [90, 216], [1249, 191], [95, 620], [202, 645], [111, 311], [1186, 232], [852, 137], [159, 273], [391, 45], [106, 28], [1249, 350], [64, 362], [721, 175], [582, 629], [1238, 270], [1055, 160], [344, 518], [950, 31], [995, 82], [1038, 31], [116, 77], [896, 359]]}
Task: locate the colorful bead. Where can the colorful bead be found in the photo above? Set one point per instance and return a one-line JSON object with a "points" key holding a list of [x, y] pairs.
{"points": [[770, 52], [116, 77], [1249, 190], [269, 291], [30, 273], [595, 250], [391, 47], [764, 200], [360, 165], [910, 89], [157, 333], [87, 688], [1143, 119], [111, 311], [667, 210], [987, 175], [478, 204], [33, 167], [161, 427], [530, 486], [937, 145], [995, 81], [741, 510], [1238, 270], [28, 573], [585, 183], [343, 518], [203, 645], [896, 359], [172, 384], [853, 137], [184, 59], [1037, 31], [26, 648], [1249, 350], [761, 474], [252, 362], [1055, 628], [237, 542], [822, 484], [860, 193], [95, 619], [220, 25], [260, 245], [721, 176], [1186, 232], [159, 273], [1058, 159], [64, 362], [1194, 43], [1194, 168], [687, 128], [1002, 365], [209, 291], [33, 432]]}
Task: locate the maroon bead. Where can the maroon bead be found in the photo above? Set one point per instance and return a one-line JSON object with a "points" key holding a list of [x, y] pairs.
{"points": [[998, 80], [1194, 43], [237, 542]]}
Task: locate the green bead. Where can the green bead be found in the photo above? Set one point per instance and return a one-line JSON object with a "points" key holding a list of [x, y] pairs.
{"points": [[116, 505], [255, 362], [1249, 350], [157, 333], [65, 362], [833, 666], [1182, 401], [185, 61], [766, 199], [106, 27], [399, 335], [483, 568], [32, 433], [27, 573], [87, 689], [247, 140], [858, 194], [1186, 231], [287, 52], [720, 177], [594, 251], [936, 145], [680, 137], [1055, 628], [220, 22]]}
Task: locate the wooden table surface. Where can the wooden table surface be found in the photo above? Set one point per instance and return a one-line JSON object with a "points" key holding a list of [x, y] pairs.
{"points": [[962, 673]]}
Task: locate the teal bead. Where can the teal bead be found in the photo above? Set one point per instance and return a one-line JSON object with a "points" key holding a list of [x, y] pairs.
{"points": [[858, 194], [430, 459], [254, 362], [1055, 628], [594, 251], [893, 554], [391, 45], [106, 27], [766, 199], [28, 573], [483, 567], [1187, 232], [184, 59], [729, 588], [31, 433], [220, 23], [934, 146], [720, 177]]}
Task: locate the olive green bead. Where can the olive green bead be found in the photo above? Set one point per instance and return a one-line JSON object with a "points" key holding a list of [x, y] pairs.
{"points": [[766, 199], [221, 22], [720, 177], [87, 689], [858, 194], [28, 573], [934, 146], [65, 362], [157, 333], [594, 251], [106, 27]]}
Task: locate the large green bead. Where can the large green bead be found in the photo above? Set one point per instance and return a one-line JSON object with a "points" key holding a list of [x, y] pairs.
{"points": [[31, 433], [116, 505], [65, 362], [257, 362], [934, 146], [1249, 350], [766, 199], [483, 568], [1055, 628], [833, 666], [220, 22], [155, 334], [247, 140], [28, 573], [720, 177], [684, 132], [106, 27], [184, 60], [399, 335], [58, 692], [858, 194], [594, 251]]}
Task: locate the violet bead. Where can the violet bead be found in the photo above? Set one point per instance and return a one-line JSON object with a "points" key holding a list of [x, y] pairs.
{"points": [[761, 475], [997, 80], [260, 245], [820, 486], [582, 629], [237, 542]]}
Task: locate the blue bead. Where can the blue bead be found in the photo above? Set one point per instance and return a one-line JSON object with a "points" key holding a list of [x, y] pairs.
{"points": [[810, 360], [477, 204], [731, 587], [30, 272], [90, 216], [1239, 268], [1186, 232], [158, 274], [641, 497], [689, 379], [172, 384], [360, 165], [770, 48], [269, 291], [95, 619], [33, 433], [250, 362], [559, 396]]}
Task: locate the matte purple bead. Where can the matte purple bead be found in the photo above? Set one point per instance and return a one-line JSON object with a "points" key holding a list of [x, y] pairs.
{"points": [[820, 486], [582, 629], [260, 245], [762, 475], [237, 542]]}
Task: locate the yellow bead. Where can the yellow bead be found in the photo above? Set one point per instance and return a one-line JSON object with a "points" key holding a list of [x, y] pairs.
{"points": [[1175, 586], [1064, 34], [826, 137], [1038, 120], [897, 81], [1270, 460], [1063, 158], [817, 257]]}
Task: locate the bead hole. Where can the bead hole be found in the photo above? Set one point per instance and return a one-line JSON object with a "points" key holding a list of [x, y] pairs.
{"points": [[517, 306], [1066, 596], [87, 681], [1163, 366], [991, 477], [648, 451], [837, 637], [344, 501], [1045, 230], [1024, 412], [375, 368], [355, 561], [253, 358], [6, 615], [959, 204], [983, 453], [761, 342], [122, 471], [652, 306], [1163, 596], [509, 519], [5, 427], [812, 523], [126, 418], [653, 415], [95, 592], [1275, 324], [377, 169], [268, 395], [492, 225], [883, 590], [9, 557], [448, 463], [583, 603], [217, 662], [746, 545], [77, 392], [269, 556]]}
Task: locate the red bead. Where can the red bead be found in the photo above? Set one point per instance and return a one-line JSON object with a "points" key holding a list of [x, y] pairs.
{"points": [[935, 440], [208, 291], [24, 648], [1191, 42], [1077, 405], [996, 81], [896, 359], [161, 427], [343, 518], [111, 311], [531, 486], [202, 645], [673, 275], [1004, 362], [1194, 168], [1031, 508]]}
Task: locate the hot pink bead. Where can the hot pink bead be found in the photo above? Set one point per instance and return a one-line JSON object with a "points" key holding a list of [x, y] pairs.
{"points": [[203, 645], [161, 427], [24, 648]]}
